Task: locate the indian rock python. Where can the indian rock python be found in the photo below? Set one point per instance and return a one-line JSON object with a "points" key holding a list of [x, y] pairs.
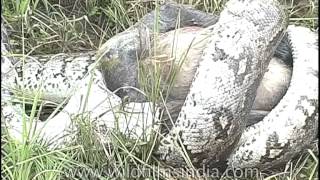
{"points": [[211, 124]]}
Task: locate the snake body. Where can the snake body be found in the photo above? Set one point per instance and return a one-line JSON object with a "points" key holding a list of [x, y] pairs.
{"points": [[297, 111], [232, 65], [211, 123]]}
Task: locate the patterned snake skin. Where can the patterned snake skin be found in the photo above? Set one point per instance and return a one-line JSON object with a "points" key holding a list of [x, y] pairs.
{"points": [[211, 126]]}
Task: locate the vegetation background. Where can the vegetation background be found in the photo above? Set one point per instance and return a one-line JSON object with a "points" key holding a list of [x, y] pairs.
{"points": [[54, 26]]}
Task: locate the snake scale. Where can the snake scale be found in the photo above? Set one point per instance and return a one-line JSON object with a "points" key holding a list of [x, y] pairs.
{"points": [[211, 126]]}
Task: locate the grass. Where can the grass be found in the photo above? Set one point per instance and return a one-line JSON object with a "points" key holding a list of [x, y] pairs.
{"points": [[32, 158], [47, 27]]}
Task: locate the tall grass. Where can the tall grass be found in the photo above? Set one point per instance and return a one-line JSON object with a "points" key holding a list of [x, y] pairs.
{"points": [[30, 156], [85, 25], [48, 27]]}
